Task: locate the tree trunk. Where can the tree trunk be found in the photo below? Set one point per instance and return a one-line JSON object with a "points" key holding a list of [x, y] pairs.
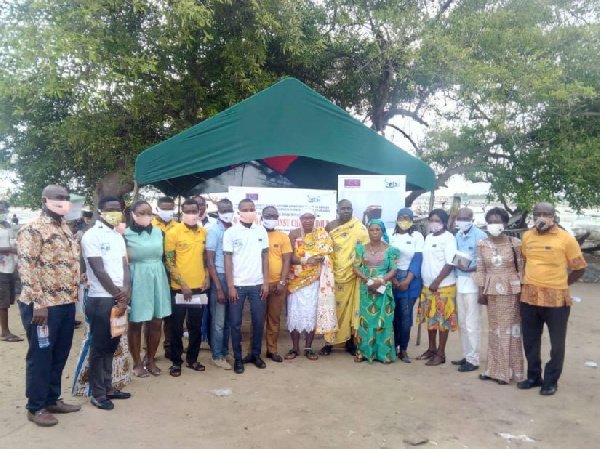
{"points": [[114, 184]]}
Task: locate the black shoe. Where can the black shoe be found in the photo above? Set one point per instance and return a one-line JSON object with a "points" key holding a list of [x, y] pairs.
{"points": [[459, 362], [118, 394], [106, 404], [259, 363], [351, 348], [467, 366], [248, 359], [548, 390], [530, 383], [238, 367], [275, 357]]}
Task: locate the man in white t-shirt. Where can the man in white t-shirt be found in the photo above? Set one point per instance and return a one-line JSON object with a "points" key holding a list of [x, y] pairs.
{"points": [[246, 248], [105, 258], [8, 266]]}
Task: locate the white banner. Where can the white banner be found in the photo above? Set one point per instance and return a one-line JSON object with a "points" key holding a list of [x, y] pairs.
{"points": [[374, 196], [289, 203]]}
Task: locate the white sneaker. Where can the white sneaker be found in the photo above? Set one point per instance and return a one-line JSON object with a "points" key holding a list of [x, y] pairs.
{"points": [[229, 358], [221, 363]]}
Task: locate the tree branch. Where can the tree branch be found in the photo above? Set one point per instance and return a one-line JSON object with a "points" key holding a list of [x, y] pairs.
{"points": [[405, 113], [412, 142]]}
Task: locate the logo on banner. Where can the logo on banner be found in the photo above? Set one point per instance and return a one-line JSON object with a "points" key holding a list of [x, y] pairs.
{"points": [[252, 196], [391, 184], [352, 183], [313, 199]]}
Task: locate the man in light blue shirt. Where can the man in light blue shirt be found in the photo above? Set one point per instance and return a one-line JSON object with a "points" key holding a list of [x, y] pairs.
{"points": [[467, 293], [219, 303]]}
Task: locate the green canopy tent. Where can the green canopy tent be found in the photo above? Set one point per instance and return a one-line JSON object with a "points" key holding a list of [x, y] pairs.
{"points": [[288, 128]]}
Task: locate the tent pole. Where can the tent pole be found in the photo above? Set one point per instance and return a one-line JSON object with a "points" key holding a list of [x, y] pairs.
{"points": [[431, 203]]}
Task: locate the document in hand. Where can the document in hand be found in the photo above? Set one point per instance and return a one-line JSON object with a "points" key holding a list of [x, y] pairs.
{"points": [[196, 301]]}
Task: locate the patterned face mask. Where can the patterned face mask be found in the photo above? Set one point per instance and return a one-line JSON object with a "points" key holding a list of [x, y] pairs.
{"points": [[542, 224], [404, 224], [112, 218]]}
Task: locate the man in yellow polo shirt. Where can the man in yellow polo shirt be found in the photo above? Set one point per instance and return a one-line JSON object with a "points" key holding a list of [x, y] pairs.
{"points": [[186, 261], [545, 299]]}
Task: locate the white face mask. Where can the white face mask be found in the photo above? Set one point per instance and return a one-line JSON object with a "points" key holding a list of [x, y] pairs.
{"points": [[165, 215], [464, 226], [495, 229], [270, 224], [435, 227], [226, 217]]}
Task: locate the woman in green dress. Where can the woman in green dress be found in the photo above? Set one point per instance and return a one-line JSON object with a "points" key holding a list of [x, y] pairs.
{"points": [[150, 294], [375, 265]]}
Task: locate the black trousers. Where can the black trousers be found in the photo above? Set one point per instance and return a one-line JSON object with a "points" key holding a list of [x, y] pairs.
{"points": [[194, 328], [533, 319], [102, 345]]}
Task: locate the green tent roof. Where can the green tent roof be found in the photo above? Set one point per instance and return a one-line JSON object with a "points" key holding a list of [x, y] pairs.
{"points": [[288, 127]]}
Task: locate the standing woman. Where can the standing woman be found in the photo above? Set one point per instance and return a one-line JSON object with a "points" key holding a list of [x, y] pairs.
{"points": [[407, 283], [437, 305], [311, 299], [498, 275], [150, 294], [375, 264]]}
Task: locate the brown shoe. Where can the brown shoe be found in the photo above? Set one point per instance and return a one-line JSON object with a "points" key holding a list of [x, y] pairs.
{"points": [[61, 407], [42, 418]]}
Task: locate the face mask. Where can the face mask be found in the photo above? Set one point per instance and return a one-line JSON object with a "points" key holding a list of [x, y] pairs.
{"points": [[435, 227], [190, 219], [495, 229], [143, 220], [544, 223], [165, 215], [226, 217], [270, 224], [59, 207], [248, 217], [464, 226], [404, 224], [112, 218]]}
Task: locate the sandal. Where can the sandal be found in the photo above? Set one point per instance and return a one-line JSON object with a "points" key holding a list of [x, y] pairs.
{"points": [[359, 359], [175, 370], [427, 354], [291, 355], [11, 338], [326, 350], [196, 366], [155, 372], [436, 360], [310, 354], [141, 372]]}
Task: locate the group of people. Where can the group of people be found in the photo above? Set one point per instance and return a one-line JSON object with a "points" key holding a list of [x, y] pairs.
{"points": [[353, 284]]}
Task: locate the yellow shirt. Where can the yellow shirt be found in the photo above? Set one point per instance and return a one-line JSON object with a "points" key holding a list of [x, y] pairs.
{"points": [[547, 257], [161, 224], [184, 248], [279, 244]]}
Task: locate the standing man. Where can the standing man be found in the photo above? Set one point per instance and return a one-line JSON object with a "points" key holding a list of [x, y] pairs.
{"points": [[164, 221], [204, 219], [246, 247], [345, 232], [8, 266], [186, 262], [467, 293], [545, 299], [218, 301], [49, 267], [108, 274], [280, 259]]}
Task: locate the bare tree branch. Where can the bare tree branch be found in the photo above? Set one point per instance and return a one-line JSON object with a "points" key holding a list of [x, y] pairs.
{"points": [[405, 113], [412, 142]]}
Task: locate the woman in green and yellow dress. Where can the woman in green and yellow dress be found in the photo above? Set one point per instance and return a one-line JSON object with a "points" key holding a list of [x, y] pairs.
{"points": [[375, 264]]}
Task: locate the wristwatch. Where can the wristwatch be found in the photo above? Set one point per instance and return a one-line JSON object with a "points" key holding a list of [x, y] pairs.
{"points": [[282, 282]]}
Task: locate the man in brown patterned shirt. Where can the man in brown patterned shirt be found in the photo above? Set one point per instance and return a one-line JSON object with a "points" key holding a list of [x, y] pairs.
{"points": [[49, 269]]}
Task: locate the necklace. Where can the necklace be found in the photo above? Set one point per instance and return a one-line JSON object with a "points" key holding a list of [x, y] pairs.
{"points": [[375, 251], [313, 239]]}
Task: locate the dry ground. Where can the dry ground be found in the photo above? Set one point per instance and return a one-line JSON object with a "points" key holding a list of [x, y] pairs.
{"points": [[329, 403]]}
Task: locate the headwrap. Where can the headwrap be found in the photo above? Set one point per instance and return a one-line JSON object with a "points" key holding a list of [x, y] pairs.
{"points": [[406, 211], [307, 211], [381, 224]]}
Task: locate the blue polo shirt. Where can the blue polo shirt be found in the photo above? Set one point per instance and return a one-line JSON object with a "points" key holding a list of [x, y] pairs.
{"points": [[214, 242], [467, 243]]}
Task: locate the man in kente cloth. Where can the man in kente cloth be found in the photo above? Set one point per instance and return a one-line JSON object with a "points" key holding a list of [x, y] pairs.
{"points": [[345, 232]]}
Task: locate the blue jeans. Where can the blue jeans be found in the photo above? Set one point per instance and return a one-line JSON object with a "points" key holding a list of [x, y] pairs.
{"points": [[403, 318], [219, 324], [257, 311], [44, 366]]}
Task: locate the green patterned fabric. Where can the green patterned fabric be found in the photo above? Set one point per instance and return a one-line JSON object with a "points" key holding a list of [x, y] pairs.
{"points": [[376, 329]]}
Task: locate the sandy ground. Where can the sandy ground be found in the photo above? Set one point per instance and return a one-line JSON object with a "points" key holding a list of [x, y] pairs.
{"points": [[329, 403]]}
